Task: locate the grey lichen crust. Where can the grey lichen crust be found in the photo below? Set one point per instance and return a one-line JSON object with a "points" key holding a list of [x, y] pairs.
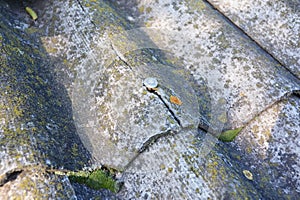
{"points": [[77, 97], [277, 30], [36, 126], [273, 141], [36, 183]]}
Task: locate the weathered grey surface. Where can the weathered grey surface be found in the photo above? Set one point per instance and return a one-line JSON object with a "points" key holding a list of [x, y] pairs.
{"points": [[36, 125], [275, 25], [271, 144], [96, 60], [83, 192], [231, 66], [181, 169], [36, 183], [247, 78]]}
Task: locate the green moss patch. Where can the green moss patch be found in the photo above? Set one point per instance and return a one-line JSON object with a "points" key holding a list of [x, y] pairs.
{"points": [[97, 179], [228, 136]]}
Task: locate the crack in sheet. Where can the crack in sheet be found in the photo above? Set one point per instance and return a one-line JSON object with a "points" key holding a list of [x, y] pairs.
{"points": [[280, 99], [119, 55], [83, 10], [160, 94]]}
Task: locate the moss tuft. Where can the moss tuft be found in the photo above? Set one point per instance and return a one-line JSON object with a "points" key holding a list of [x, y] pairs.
{"points": [[97, 179], [228, 136]]}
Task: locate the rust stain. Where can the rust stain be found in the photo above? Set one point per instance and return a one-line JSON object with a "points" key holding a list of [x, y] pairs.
{"points": [[175, 100]]}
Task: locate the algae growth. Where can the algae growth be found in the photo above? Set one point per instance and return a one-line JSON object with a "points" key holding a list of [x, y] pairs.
{"points": [[228, 136], [97, 179]]}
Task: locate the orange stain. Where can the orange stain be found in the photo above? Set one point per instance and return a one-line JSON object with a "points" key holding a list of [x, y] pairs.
{"points": [[175, 100]]}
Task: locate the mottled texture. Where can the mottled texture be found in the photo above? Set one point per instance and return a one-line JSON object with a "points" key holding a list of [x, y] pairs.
{"points": [[36, 125], [232, 66], [35, 183], [181, 168], [272, 140], [72, 95], [275, 25]]}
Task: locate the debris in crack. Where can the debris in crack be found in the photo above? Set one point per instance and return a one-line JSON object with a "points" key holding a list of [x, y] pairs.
{"points": [[96, 179], [32, 13], [99, 178], [175, 100], [205, 126]]}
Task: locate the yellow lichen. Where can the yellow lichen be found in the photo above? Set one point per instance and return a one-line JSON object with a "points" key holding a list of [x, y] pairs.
{"points": [[162, 166], [248, 174]]}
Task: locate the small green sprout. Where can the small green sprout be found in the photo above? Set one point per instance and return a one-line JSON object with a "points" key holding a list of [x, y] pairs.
{"points": [[228, 136], [31, 12]]}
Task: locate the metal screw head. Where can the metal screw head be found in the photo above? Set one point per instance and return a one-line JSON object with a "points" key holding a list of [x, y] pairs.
{"points": [[150, 83]]}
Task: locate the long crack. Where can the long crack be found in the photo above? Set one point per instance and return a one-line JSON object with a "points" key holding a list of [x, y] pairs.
{"points": [[280, 99], [14, 173], [147, 144], [154, 138], [204, 125], [150, 141]]}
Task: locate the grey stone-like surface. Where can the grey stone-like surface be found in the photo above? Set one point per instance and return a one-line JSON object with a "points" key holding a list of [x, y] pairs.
{"points": [[275, 25], [216, 54], [250, 77], [114, 114], [82, 82], [36, 183], [83, 192], [269, 147], [181, 168], [36, 125]]}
